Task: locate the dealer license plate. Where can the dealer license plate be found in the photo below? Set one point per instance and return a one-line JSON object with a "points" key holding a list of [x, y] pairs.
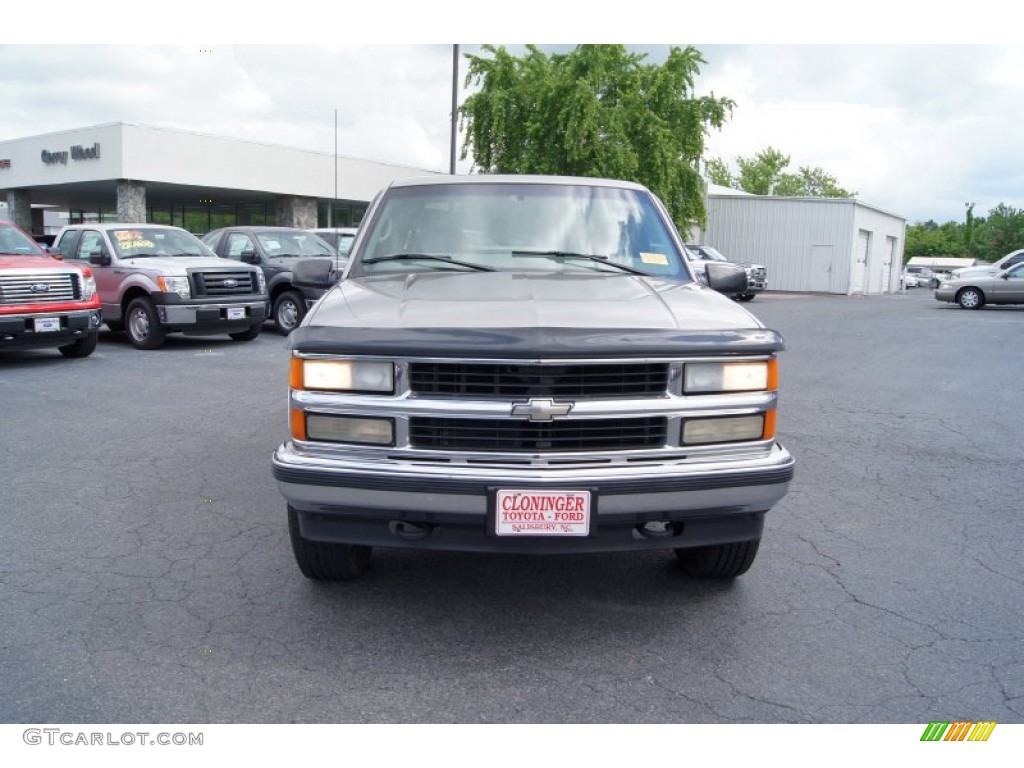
{"points": [[542, 513], [47, 324], [236, 313]]}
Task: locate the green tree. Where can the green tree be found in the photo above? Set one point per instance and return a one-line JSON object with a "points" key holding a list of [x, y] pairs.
{"points": [[765, 174], [999, 233], [717, 172], [597, 111], [934, 241], [761, 174]]}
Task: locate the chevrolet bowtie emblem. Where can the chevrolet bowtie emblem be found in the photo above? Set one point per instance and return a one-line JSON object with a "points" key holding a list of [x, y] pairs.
{"points": [[541, 409]]}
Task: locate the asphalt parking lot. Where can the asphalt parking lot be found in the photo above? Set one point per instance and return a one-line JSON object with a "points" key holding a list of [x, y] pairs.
{"points": [[146, 574]]}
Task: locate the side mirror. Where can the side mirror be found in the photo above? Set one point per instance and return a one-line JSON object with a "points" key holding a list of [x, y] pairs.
{"points": [[726, 278], [249, 257], [99, 258], [313, 273]]}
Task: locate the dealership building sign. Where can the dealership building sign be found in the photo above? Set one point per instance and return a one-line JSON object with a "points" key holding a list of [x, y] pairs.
{"points": [[77, 152]]}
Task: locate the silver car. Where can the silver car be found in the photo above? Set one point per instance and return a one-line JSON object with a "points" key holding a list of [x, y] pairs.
{"points": [[975, 291]]}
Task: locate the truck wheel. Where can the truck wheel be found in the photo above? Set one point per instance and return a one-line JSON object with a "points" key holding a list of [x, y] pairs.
{"points": [[82, 347], [721, 561], [970, 298], [289, 309], [247, 335], [326, 562], [144, 329]]}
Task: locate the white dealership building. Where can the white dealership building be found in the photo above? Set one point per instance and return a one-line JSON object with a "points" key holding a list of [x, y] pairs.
{"points": [[138, 173]]}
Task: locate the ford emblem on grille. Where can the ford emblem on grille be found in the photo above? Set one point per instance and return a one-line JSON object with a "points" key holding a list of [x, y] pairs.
{"points": [[39, 288], [230, 283], [541, 409]]}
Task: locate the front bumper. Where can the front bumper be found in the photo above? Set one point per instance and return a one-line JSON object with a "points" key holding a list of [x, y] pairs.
{"points": [[19, 331], [449, 507], [200, 316]]}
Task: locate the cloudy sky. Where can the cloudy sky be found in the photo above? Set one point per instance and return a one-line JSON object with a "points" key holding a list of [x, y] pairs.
{"points": [[917, 129]]}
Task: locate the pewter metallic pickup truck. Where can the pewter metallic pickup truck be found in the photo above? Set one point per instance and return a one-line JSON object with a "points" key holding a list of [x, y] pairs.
{"points": [[528, 364], [155, 279]]}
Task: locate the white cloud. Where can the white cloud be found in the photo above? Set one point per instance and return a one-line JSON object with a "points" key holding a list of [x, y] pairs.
{"points": [[917, 130]]}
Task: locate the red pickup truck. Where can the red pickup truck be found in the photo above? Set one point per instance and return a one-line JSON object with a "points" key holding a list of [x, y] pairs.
{"points": [[44, 302]]}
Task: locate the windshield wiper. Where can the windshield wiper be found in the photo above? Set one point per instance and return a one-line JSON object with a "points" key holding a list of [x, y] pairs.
{"points": [[586, 256], [140, 256], [428, 257]]}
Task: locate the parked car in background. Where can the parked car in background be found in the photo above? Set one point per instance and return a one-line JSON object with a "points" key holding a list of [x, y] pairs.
{"points": [[44, 302], [975, 291], [757, 275], [155, 279], [1010, 259], [909, 280], [920, 274], [938, 277], [340, 238], [275, 250]]}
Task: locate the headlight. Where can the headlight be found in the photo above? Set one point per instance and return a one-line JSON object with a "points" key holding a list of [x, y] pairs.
{"points": [[178, 285], [728, 429], [729, 377], [343, 375], [349, 429], [88, 287]]}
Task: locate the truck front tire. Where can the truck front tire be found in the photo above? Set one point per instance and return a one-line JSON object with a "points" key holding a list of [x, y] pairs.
{"points": [[143, 325], [319, 561], [247, 335], [721, 561], [82, 347]]}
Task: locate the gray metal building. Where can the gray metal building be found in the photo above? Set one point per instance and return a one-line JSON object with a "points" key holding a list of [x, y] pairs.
{"points": [[824, 245]]}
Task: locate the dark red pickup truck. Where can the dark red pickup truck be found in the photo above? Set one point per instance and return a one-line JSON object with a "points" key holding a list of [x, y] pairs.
{"points": [[44, 302]]}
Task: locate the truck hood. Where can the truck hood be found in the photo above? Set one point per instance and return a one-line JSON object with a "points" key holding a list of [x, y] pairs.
{"points": [[177, 265], [8, 261], [542, 313]]}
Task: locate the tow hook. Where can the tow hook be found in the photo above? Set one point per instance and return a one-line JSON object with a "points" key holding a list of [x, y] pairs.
{"points": [[404, 529]]}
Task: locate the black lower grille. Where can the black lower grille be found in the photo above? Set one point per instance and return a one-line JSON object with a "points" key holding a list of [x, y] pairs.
{"points": [[512, 381], [501, 435]]}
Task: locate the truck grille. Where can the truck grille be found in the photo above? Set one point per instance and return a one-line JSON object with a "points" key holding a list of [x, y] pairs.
{"points": [[515, 381], [222, 282], [500, 435], [44, 288]]}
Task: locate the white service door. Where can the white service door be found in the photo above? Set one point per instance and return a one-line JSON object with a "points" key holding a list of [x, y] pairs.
{"points": [[860, 262]]}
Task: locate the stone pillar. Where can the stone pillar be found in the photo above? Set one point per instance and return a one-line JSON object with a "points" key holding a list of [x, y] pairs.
{"points": [[19, 208], [296, 212], [131, 201]]}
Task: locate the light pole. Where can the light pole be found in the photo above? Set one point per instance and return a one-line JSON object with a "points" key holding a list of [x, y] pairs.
{"points": [[455, 105], [969, 229]]}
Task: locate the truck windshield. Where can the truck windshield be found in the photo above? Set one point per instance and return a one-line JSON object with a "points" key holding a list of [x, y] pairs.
{"points": [[297, 243], [149, 241], [521, 227], [12, 241]]}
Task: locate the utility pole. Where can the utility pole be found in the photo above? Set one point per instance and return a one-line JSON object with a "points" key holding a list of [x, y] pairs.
{"points": [[455, 105]]}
